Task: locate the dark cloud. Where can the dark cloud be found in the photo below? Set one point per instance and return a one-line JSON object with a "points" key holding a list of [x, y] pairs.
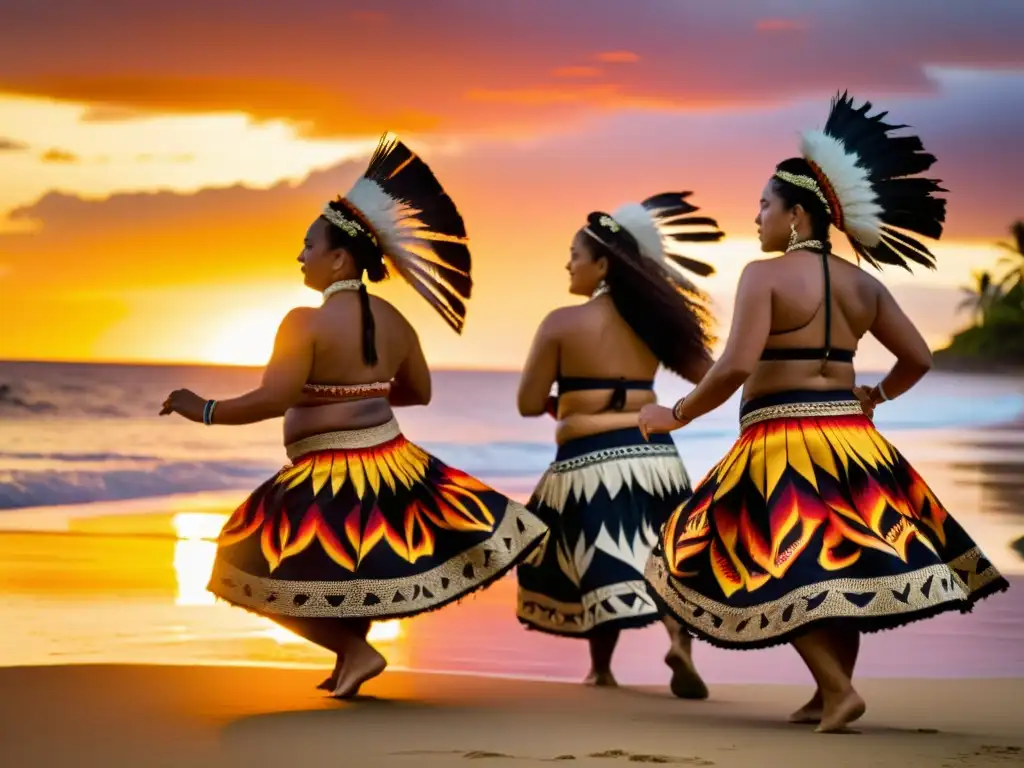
{"points": [[462, 66], [11, 145], [59, 156]]}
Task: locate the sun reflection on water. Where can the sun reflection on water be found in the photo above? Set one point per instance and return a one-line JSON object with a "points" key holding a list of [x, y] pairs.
{"points": [[194, 554]]}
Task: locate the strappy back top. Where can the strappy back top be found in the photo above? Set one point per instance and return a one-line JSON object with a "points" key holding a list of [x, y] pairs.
{"points": [[824, 353], [347, 391], [618, 386]]}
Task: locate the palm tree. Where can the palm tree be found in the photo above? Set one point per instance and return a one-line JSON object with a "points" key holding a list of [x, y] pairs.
{"points": [[1014, 260], [980, 297]]}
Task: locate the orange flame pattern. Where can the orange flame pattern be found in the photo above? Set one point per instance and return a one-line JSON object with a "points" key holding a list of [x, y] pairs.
{"points": [[797, 488], [430, 496]]}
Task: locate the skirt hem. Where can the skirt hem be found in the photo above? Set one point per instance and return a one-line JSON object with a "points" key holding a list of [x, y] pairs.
{"points": [[625, 623], [480, 586], [862, 624]]}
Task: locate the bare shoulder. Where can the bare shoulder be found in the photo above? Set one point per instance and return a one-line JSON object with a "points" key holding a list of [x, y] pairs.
{"points": [[298, 320], [387, 313], [866, 282], [559, 320], [760, 273]]}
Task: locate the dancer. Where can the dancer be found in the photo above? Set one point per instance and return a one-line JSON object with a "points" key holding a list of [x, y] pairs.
{"points": [[814, 528], [608, 492], [362, 525]]}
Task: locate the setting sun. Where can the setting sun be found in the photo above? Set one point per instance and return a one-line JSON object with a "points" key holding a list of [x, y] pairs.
{"points": [[247, 338]]}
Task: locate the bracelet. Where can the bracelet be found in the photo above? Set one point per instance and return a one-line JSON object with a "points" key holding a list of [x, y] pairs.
{"points": [[677, 412], [208, 409]]}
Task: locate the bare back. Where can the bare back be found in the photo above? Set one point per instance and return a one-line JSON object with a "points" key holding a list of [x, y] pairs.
{"points": [[336, 329], [594, 342], [799, 323]]}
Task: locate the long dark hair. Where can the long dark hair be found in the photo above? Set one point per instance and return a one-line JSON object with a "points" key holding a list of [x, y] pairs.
{"points": [[672, 321], [369, 259], [792, 195]]}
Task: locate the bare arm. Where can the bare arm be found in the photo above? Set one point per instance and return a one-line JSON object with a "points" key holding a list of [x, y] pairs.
{"points": [[540, 371], [751, 324], [897, 334], [288, 369], [412, 385], [696, 371]]}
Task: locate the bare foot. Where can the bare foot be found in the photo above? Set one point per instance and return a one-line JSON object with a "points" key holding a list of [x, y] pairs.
{"points": [[841, 713], [362, 664], [331, 682], [809, 712], [686, 682], [601, 679]]}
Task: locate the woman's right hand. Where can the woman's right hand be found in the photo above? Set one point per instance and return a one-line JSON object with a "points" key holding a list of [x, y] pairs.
{"points": [[867, 402]]}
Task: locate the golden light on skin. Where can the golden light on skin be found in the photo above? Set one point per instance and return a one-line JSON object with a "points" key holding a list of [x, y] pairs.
{"points": [[119, 156]]}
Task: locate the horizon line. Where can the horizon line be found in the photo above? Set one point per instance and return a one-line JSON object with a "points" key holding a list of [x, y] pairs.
{"points": [[144, 363]]}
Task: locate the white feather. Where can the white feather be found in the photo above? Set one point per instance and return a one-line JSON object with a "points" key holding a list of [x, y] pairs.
{"points": [[635, 218], [849, 180]]}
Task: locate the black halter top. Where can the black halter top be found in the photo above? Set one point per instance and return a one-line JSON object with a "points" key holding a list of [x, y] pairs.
{"points": [[618, 387], [824, 353]]}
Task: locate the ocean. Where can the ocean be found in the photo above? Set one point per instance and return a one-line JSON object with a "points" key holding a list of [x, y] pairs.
{"points": [[76, 433]]}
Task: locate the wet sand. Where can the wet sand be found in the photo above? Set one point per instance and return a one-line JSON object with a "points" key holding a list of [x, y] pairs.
{"points": [[157, 716]]}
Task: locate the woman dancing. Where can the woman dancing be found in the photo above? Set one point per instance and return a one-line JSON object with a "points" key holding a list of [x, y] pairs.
{"points": [[814, 528], [362, 525], [608, 492]]}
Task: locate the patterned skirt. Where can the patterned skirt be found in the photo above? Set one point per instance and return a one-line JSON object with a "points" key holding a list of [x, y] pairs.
{"points": [[812, 518], [604, 499], [365, 524]]}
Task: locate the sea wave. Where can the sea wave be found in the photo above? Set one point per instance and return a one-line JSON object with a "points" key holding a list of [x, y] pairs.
{"points": [[41, 478]]}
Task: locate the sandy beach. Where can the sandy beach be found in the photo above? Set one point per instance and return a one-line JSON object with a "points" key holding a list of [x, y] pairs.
{"points": [[162, 716]]}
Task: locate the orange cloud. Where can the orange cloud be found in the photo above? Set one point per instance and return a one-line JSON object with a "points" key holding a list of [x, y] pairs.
{"points": [[618, 57], [59, 156], [574, 72], [422, 66], [781, 25], [375, 18]]}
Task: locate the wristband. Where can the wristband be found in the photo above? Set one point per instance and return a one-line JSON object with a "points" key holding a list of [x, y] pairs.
{"points": [[208, 409], [677, 412]]}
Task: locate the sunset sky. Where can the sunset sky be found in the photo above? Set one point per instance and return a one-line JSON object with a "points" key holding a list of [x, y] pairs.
{"points": [[159, 163]]}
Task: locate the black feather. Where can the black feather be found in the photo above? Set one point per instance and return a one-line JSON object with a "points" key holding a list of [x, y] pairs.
{"points": [[671, 214], [892, 163], [444, 276], [697, 267]]}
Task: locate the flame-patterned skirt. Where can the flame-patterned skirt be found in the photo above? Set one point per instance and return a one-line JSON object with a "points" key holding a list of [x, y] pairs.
{"points": [[365, 524], [604, 498], [812, 518]]}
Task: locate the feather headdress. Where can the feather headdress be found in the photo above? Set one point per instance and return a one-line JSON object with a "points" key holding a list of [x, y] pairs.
{"points": [[867, 181], [659, 225], [402, 208]]}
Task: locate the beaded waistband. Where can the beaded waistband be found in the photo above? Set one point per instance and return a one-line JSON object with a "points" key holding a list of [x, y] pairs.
{"points": [[800, 411], [344, 440], [375, 389]]}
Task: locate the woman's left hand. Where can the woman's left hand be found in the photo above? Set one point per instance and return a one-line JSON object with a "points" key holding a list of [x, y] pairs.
{"points": [[186, 402], [657, 419]]}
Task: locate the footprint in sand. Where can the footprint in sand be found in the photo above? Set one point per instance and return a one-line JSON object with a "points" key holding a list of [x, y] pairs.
{"points": [[614, 754]]}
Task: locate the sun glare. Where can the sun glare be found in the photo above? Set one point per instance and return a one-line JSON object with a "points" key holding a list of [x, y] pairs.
{"points": [[194, 554], [247, 338]]}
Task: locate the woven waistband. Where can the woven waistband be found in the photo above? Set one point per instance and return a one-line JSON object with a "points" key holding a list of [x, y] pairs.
{"points": [[801, 411], [344, 440]]}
